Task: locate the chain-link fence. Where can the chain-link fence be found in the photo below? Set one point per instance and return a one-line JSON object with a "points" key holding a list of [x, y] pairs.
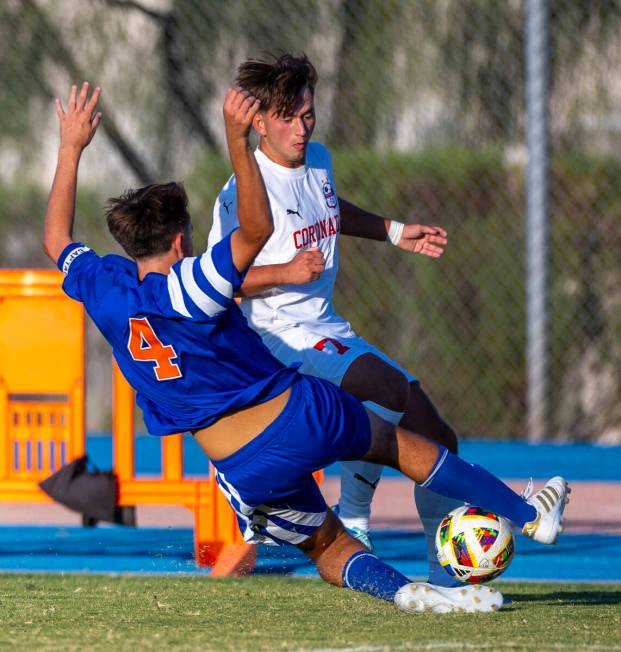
{"points": [[423, 105]]}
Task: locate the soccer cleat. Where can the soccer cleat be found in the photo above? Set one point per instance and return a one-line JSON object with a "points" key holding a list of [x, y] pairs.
{"points": [[549, 503], [420, 597], [359, 534]]}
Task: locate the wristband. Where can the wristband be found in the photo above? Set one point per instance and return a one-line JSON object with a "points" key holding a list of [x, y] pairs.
{"points": [[395, 232]]}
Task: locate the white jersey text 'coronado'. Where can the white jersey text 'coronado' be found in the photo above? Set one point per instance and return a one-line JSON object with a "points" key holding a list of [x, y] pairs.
{"points": [[306, 214]]}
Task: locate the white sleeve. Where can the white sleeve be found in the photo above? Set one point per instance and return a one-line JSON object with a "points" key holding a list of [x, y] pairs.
{"points": [[224, 213], [204, 285]]}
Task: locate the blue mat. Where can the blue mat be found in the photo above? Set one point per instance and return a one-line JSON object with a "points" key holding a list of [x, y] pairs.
{"points": [[112, 549], [510, 460]]}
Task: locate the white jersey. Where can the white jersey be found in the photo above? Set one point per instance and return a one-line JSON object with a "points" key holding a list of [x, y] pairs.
{"points": [[306, 214]]}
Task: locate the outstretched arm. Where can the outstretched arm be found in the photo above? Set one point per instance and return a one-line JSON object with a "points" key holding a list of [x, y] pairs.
{"points": [[416, 238], [77, 128], [253, 209]]}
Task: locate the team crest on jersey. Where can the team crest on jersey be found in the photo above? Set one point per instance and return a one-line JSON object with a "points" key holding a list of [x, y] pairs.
{"points": [[328, 193]]}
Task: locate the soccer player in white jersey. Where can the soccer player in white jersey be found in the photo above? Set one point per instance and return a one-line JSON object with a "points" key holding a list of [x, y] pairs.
{"points": [[196, 365], [287, 294]]}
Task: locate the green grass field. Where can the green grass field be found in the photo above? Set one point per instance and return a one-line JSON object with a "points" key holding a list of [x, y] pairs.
{"points": [[85, 612]]}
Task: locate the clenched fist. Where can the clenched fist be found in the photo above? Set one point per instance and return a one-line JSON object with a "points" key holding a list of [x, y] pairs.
{"points": [[306, 267]]}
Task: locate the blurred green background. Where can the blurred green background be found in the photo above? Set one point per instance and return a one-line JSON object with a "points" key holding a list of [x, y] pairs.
{"points": [[423, 105]]}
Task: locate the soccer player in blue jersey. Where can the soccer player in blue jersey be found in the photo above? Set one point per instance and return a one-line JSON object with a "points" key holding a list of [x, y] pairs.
{"points": [[185, 347]]}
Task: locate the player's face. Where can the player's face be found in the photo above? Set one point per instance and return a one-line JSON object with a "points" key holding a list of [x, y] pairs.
{"points": [[284, 138]]}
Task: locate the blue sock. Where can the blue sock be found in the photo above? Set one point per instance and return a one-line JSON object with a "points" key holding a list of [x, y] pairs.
{"points": [[365, 572], [453, 477]]}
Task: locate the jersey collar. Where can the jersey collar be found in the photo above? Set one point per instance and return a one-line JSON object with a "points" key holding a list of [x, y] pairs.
{"points": [[292, 173]]}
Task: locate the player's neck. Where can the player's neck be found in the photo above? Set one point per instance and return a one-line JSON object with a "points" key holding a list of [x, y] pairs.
{"points": [[156, 264], [279, 160]]}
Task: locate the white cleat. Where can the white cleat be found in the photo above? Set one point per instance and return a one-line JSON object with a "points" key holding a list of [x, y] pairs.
{"points": [[549, 503], [420, 597]]}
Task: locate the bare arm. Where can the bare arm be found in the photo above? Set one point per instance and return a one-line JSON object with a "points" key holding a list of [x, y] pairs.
{"points": [[415, 238], [308, 265], [305, 267], [253, 209], [77, 128]]}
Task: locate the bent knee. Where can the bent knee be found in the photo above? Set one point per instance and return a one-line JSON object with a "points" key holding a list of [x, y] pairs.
{"points": [[422, 416], [370, 378], [393, 391]]}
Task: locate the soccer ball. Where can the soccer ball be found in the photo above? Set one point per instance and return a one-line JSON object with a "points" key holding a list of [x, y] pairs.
{"points": [[474, 545]]}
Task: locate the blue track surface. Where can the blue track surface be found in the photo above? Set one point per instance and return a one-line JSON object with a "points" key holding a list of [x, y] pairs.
{"points": [[577, 557], [111, 549], [509, 460]]}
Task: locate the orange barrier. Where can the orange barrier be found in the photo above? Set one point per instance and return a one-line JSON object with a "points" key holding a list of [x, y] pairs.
{"points": [[41, 381], [42, 369], [218, 541]]}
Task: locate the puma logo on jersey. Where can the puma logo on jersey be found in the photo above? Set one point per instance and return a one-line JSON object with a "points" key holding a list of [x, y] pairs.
{"points": [[290, 211], [226, 205]]}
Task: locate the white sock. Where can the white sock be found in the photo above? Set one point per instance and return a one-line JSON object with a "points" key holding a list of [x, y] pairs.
{"points": [[359, 480], [432, 508]]}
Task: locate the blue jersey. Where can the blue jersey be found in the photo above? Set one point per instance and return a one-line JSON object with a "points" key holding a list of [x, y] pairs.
{"points": [[180, 339]]}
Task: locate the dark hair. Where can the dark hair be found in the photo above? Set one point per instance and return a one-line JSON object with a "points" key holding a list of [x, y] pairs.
{"points": [[278, 81], [145, 221]]}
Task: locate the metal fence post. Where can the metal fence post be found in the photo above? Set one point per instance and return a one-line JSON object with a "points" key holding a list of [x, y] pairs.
{"points": [[537, 216]]}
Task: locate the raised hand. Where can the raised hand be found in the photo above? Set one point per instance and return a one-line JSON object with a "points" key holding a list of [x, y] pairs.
{"points": [[77, 128], [239, 109], [425, 240], [79, 123], [253, 208], [306, 267]]}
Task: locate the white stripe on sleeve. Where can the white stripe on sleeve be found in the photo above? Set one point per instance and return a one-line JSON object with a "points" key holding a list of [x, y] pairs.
{"points": [[176, 295], [203, 301], [216, 279]]}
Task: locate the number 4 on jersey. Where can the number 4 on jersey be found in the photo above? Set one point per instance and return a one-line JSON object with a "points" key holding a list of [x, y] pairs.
{"points": [[145, 346]]}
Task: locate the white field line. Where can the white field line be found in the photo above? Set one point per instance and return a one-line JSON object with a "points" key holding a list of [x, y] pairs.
{"points": [[449, 645]]}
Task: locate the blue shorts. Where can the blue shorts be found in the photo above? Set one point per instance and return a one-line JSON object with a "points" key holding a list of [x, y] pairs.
{"points": [[269, 481]]}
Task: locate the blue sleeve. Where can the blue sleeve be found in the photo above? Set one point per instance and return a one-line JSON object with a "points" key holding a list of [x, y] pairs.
{"points": [[81, 267], [326, 155], [319, 156], [222, 258]]}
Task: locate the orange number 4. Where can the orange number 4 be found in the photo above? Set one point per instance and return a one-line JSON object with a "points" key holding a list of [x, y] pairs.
{"points": [[145, 346]]}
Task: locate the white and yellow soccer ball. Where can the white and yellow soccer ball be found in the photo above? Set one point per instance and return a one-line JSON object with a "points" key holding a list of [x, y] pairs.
{"points": [[474, 545]]}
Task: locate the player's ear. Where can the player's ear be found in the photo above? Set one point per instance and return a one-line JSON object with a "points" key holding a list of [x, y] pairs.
{"points": [[178, 246], [258, 122]]}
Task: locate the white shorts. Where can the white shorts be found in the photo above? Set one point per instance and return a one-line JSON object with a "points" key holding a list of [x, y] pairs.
{"points": [[321, 355]]}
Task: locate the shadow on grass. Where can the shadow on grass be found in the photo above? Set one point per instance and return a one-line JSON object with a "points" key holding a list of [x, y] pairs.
{"points": [[573, 598]]}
